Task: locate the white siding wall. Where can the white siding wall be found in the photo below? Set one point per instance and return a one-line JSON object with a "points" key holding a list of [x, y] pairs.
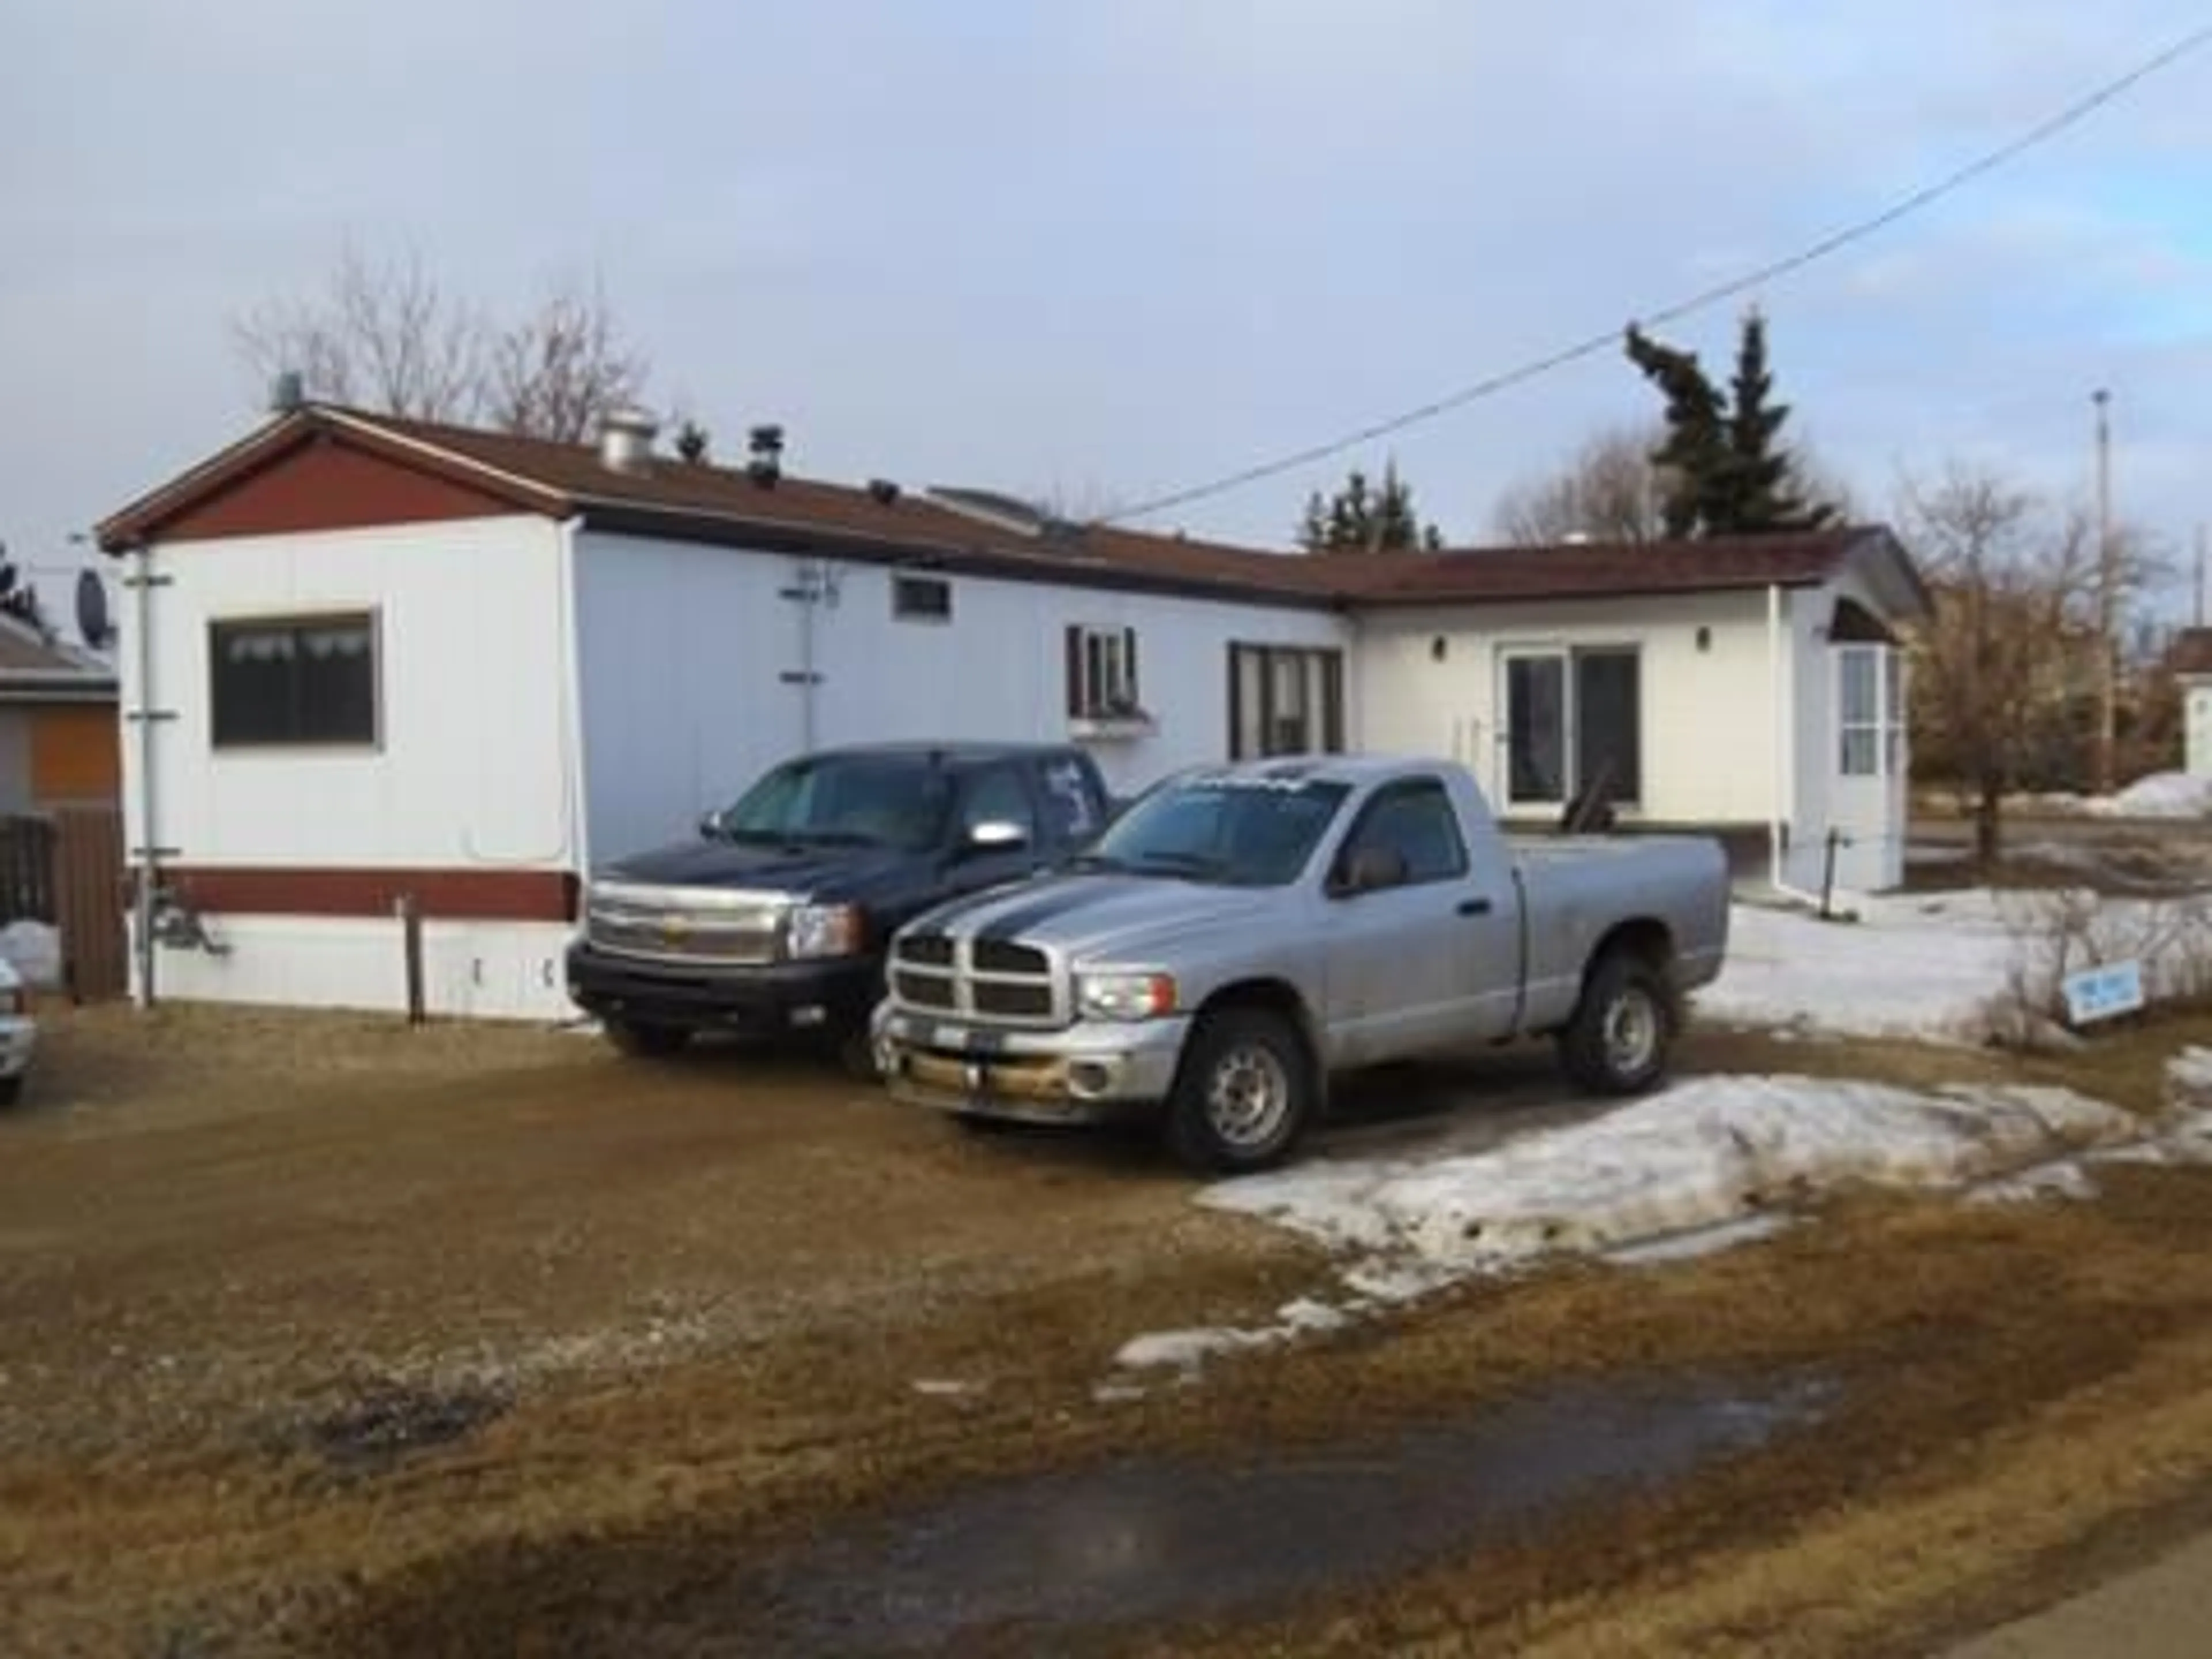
{"points": [[2196, 718], [683, 648], [1709, 739], [473, 770], [1870, 812]]}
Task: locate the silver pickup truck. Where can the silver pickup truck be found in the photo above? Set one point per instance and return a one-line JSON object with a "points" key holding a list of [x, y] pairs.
{"points": [[1241, 932]]}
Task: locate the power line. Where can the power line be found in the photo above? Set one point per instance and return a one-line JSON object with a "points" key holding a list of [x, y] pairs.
{"points": [[2070, 116]]}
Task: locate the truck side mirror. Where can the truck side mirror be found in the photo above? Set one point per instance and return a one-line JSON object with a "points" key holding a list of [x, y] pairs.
{"points": [[710, 824], [1370, 869]]}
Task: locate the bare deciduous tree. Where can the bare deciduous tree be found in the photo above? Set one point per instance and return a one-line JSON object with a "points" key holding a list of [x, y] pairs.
{"points": [[1610, 491], [389, 338], [1993, 668], [556, 372], [383, 335]]}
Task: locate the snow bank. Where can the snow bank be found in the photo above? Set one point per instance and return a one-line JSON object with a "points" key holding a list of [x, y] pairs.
{"points": [[1962, 967], [2160, 795], [1704, 1166], [1706, 1152], [1913, 968]]}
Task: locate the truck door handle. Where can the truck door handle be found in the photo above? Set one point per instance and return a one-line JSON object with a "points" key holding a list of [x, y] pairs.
{"points": [[1474, 906]]}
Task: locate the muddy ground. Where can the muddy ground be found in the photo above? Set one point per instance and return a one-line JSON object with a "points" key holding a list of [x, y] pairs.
{"points": [[319, 1335]]}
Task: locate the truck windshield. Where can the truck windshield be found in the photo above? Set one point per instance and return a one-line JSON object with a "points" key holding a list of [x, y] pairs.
{"points": [[1238, 832], [859, 801]]}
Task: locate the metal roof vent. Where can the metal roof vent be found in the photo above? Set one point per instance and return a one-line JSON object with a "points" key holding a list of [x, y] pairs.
{"points": [[626, 438], [764, 447]]}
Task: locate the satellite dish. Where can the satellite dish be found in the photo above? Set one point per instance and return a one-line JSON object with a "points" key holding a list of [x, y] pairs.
{"points": [[92, 619]]}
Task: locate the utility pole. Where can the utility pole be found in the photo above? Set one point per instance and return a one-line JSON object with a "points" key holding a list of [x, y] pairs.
{"points": [[2200, 575], [2108, 650]]}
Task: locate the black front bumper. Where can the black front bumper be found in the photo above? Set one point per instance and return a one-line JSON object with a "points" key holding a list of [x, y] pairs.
{"points": [[777, 997]]}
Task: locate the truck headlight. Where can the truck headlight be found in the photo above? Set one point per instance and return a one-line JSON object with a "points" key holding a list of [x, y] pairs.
{"points": [[1125, 996], [825, 930]]}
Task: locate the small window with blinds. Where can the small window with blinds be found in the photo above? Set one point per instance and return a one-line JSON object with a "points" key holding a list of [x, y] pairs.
{"points": [[1102, 675], [294, 681]]}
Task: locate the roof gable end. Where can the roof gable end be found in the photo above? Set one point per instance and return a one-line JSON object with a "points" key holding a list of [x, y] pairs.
{"points": [[316, 471]]}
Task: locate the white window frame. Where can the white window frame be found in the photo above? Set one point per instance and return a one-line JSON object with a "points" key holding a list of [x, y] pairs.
{"points": [[1880, 738], [1106, 686]]}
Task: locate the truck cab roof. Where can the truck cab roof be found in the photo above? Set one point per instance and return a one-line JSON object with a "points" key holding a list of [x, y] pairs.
{"points": [[1353, 770], [961, 754]]}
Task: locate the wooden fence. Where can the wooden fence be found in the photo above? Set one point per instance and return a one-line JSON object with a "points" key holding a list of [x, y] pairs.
{"points": [[64, 868]]}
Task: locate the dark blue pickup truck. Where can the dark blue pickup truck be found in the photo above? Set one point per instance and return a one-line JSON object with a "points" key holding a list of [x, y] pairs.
{"points": [[774, 917]]}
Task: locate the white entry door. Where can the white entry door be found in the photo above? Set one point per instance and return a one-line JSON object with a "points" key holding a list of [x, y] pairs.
{"points": [[1867, 785]]}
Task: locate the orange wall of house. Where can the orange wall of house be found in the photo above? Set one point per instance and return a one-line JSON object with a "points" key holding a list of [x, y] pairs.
{"points": [[76, 754]]}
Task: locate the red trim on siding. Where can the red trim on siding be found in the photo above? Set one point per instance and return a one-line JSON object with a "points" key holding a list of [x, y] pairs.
{"points": [[327, 485], [447, 895]]}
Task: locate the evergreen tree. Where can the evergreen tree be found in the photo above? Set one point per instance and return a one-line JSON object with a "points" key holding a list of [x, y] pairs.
{"points": [[1313, 529], [1723, 469], [1695, 450], [1758, 487], [1359, 518]]}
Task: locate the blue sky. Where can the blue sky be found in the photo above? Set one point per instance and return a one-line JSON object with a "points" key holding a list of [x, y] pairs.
{"points": [[1111, 248]]}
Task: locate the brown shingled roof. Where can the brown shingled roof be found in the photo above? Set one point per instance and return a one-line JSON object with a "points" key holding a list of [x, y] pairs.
{"points": [[705, 502], [1587, 569]]}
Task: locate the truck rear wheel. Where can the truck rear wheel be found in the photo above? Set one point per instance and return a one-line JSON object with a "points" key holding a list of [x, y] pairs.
{"points": [[1618, 1042], [642, 1040], [1243, 1095]]}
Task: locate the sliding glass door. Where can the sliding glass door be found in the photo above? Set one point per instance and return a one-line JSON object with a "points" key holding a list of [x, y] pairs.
{"points": [[1574, 722]]}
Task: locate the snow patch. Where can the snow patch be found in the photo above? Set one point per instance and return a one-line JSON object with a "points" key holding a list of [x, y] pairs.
{"points": [[2160, 795], [1698, 1242], [1917, 968], [2066, 1178], [1188, 1350], [1957, 968], [945, 1387], [1703, 1155]]}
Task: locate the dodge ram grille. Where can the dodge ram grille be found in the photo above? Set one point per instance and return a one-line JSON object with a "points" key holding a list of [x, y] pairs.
{"points": [[987, 980]]}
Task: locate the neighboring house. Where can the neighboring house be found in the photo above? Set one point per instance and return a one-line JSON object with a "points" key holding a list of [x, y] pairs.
{"points": [[2191, 662], [391, 658], [59, 739]]}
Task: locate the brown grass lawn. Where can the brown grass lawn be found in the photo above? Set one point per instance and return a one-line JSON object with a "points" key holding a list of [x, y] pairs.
{"points": [[650, 1322]]}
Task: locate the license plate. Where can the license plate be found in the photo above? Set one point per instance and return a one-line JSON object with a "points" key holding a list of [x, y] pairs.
{"points": [[958, 1038]]}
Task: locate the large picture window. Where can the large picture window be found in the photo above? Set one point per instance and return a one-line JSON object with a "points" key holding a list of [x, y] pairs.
{"points": [[294, 681], [1574, 722], [1284, 700]]}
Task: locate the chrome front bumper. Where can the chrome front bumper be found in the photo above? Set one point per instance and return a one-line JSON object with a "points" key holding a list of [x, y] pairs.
{"points": [[1089, 1072]]}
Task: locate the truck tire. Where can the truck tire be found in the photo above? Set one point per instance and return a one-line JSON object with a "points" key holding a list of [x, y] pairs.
{"points": [[1617, 1043], [1243, 1095], [642, 1040]]}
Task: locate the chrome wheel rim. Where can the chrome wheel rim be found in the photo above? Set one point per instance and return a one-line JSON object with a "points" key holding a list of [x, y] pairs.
{"points": [[1248, 1098], [1632, 1031]]}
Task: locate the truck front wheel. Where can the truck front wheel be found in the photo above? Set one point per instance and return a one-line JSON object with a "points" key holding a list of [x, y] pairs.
{"points": [[1618, 1042], [1243, 1095], [642, 1040]]}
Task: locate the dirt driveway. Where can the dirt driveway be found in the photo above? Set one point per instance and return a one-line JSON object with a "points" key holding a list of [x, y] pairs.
{"points": [[319, 1336]]}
